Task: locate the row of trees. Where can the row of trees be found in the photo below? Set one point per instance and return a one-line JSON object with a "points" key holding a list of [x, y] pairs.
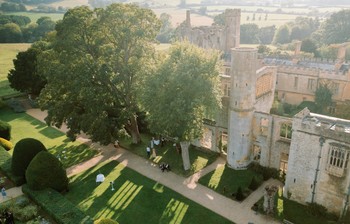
{"points": [[15, 29], [100, 70], [316, 36]]}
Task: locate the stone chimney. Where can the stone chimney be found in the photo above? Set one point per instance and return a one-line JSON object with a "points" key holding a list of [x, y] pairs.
{"points": [[297, 52], [188, 18]]}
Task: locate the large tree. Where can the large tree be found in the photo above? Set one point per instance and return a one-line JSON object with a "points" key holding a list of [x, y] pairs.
{"points": [[96, 69], [180, 94], [323, 97], [249, 34], [336, 29], [25, 77]]}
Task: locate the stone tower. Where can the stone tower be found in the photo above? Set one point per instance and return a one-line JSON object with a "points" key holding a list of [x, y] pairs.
{"points": [[232, 28], [241, 109]]}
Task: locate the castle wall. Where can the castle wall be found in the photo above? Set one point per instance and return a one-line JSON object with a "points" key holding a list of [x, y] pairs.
{"points": [[332, 182], [296, 84], [216, 37], [241, 109]]}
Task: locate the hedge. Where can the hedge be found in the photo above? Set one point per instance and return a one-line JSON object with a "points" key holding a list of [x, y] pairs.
{"points": [[5, 166], [57, 206], [5, 130], [46, 171], [23, 153]]}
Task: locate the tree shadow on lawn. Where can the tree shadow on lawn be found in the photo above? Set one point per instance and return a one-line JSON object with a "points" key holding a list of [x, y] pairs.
{"points": [[135, 199], [226, 181], [72, 155], [199, 159]]}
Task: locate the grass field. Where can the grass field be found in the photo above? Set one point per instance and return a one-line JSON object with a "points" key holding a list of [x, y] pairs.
{"points": [[34, 16], [136, 199], [226, 181], [8, 52], [25, 126]]}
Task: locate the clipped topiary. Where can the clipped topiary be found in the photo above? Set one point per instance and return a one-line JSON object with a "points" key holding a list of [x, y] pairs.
{"points": [[106, 221], [254, 184], [239, 194], [46, 171], [5, 130], [7, 145], [25, 150]]}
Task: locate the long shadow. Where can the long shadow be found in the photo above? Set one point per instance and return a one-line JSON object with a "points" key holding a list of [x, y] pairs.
{"points": [[71, 155]]}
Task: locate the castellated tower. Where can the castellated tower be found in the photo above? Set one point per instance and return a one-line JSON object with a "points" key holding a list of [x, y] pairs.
{"points": [[232, 28], [241, 109]]}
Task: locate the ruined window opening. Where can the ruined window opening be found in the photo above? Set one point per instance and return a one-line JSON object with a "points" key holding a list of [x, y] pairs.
{"points": [[264, 125], [338, 159], [256, 153], [286, 130]]}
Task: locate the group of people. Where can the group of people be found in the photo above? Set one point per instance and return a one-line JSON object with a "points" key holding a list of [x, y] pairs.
{"points": [[164, 166]]}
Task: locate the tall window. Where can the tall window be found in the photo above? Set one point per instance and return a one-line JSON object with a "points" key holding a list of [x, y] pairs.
{"points": [[295, 82], [338, 159], [311, 84], [227, 90], [335, 88], [286, 130]]}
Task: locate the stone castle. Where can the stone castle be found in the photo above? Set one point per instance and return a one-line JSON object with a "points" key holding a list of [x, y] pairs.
{"points": [[313, 150]]}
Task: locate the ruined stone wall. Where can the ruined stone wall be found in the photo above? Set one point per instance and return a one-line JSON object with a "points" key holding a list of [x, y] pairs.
{"points": [[265, 89], [331, 187], [216, 37]]}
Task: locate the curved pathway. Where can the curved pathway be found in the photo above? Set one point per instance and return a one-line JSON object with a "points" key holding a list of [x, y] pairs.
{"points": [[239, 213]]}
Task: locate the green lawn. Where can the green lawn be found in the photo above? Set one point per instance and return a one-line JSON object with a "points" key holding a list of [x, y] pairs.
{"points": [[295, 212], [25, 126], [228, 179], [8, 52], [136, 199], [198, 158]]}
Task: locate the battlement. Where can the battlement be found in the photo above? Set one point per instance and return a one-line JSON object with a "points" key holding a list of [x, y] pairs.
{"points": [[326, 126]]}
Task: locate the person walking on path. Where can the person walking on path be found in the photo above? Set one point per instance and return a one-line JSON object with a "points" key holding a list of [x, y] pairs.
{"points": [[116, 144], [148, 149], [3, 192]]}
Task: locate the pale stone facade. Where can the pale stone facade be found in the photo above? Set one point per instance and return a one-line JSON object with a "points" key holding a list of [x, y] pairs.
{"points": [[319, 161], [292, 145]]}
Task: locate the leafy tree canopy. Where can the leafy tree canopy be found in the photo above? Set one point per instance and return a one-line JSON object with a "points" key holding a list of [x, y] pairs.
{"points": [[323, 97], [25, 77], [181, 93], [336, 29], [96, 70]]}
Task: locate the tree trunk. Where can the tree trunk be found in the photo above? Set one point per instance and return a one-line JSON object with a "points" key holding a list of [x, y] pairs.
{"points": [[185, 154], [133, 130]]}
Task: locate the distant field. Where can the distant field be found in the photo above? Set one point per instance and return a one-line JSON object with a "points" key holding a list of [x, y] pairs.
{"points": [[8, 52], [35, 16]]}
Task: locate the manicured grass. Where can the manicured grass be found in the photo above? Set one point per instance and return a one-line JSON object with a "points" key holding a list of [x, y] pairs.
{"points": [[168, 154], [8, 52], [136, 199], [25, 126], [294, 212], [226, 181]]}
